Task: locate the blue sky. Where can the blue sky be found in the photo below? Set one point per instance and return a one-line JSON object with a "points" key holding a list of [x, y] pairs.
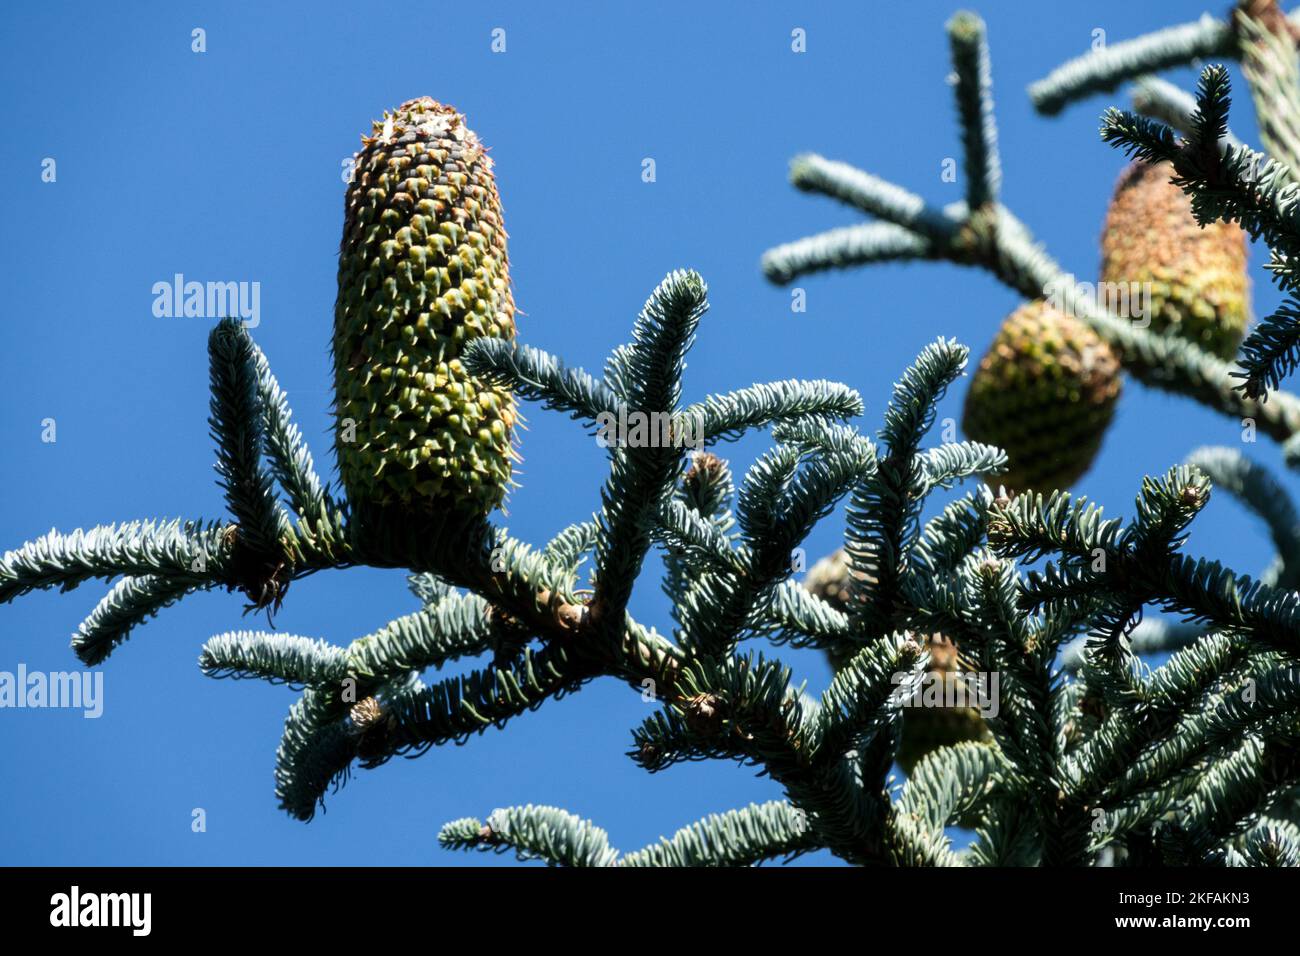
{"points": [[226, 165]]}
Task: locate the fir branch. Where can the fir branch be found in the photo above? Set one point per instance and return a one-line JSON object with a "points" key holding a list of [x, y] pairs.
{"points": [[727, 417], [732, 708], [1142, 139], [533, 833], [1165, 507], [974, 90], [181, 551], [1266, 43], [569, 548], [1253, 485], [460, 707], [1272, 845], [867, 693], [948, 537], [428, 587], [952, 462], [804, 619], [1271, 352], [537, 376], [454, 627], [1107, 67], [314, 753], [784, 495], [1007, 834], [1213, 101], [884, 510], [1150, 636], [1022, 726], [741, 837], [1228, 798], [843, 248], [236, 424], [641, 478], [1030, 526], [617, 374], [951, 782], [744, 709], [1161, 100], [1207, 591], [695, 538], [818, 434], [1267, 703], [1098, 768], [289, 458], [128, 604], [995, 240], [912, 844], [813, 173], [278, 658]]}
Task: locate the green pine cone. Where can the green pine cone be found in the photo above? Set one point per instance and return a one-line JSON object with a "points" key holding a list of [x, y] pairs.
{"points": [[1044, 393], [1198, 283], [423, 270]]}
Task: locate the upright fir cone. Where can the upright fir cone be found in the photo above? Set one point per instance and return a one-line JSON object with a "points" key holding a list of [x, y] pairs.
{"points": [[1044, 393], [925, 728], [1199, 289], [423, 270]]}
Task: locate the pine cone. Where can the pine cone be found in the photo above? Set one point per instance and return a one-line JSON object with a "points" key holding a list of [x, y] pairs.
{"points": [[423, 270], [1044, 393], [1199, 287]]}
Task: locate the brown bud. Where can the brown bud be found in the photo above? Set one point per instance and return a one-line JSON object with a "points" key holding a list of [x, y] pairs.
{"points": [[704, 713]]}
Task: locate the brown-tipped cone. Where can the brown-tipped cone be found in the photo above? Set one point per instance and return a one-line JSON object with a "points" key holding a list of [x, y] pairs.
{"points": [[1193, 279]]}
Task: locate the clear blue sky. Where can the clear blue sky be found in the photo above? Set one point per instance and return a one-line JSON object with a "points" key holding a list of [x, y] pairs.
{"points": [[226, 166]]}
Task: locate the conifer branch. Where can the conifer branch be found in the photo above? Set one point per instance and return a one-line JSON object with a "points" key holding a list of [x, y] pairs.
{"points": [[727, 417], [128, 604], [1106, 67], [641, 477], [314, 754], [743, 837], [884, 509], [1259, 491], [289, 458], [537, 376], [278, 658], [236, 423], [180, 551], [1162, 101], [844, 248], [534, 833], [453, 627], [974, 89]]}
